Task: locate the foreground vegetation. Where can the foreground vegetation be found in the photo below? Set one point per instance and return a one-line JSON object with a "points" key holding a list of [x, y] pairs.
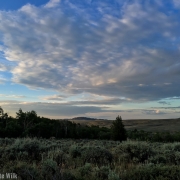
{"points": [[89, 159]]}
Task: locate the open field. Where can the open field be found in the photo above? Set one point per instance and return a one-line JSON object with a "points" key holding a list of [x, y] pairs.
{"points": [[142, 124]]}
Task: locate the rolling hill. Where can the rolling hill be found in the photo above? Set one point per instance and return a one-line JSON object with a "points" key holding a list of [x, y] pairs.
{"points": [[139, 124]]}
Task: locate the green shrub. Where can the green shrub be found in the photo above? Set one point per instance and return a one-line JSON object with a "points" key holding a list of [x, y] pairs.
{"points": [[158, 159], [90, 159], [50, 169], [31, 146], [6, 141], [113, 176], [137, 152], [59, 157], [151, 172], [102, 173], [75, 151], [96, 155], [67, 176], [85, 170], [24, 170]]}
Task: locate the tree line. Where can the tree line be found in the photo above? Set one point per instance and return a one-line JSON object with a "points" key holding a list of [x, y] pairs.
{"points": [[29, 124]]}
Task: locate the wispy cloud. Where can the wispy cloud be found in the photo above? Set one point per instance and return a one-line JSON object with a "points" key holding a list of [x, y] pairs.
{"points": [[88, 99], [164, 103], [54, 98], [176, 3], [2, 80], [172, 107], [154, 112], [52, 3], [12, 96]]}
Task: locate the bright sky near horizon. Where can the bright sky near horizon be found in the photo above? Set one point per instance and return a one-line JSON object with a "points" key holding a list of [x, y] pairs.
{"points": [[94, 58]]}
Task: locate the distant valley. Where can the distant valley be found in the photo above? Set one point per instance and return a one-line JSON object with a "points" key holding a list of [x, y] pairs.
{"points": [[139, 124]]}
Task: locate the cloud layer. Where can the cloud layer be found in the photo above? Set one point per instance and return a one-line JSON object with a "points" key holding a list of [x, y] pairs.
{"points": [[68, 110], [56, 110], [113, 48]]}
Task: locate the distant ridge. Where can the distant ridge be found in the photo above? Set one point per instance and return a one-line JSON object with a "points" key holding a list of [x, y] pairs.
{"points": [[153, 125], [83, 118]]}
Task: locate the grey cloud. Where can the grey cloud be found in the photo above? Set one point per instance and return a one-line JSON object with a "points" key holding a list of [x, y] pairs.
{"points": [[3, 67], [174, 98], [164, 103], [174, 107], [95, 101], [176, 3], [60, 110], [54, 109], [8, 102], [112, 101], [154, 112], [132, 54]]}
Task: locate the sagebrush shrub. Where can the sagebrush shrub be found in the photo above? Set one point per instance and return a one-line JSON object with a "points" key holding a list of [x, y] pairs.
{"points": [[59, 157], [86, 170], [25, 170], [75, 151], [113, 176], [102, 173], [96, 155], [138, 152], [151, 172], [67, 176], [50, 169], [66, 159]]}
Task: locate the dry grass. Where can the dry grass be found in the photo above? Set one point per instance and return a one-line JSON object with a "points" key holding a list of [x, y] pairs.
{"points": [[139, 124]]}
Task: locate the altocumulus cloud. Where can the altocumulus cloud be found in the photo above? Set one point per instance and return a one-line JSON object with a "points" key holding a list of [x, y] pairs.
{"points": [[88, 100], [114, 48]]}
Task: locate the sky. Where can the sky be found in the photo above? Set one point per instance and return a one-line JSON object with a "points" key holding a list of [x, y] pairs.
{"points": [[92, 58]]}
